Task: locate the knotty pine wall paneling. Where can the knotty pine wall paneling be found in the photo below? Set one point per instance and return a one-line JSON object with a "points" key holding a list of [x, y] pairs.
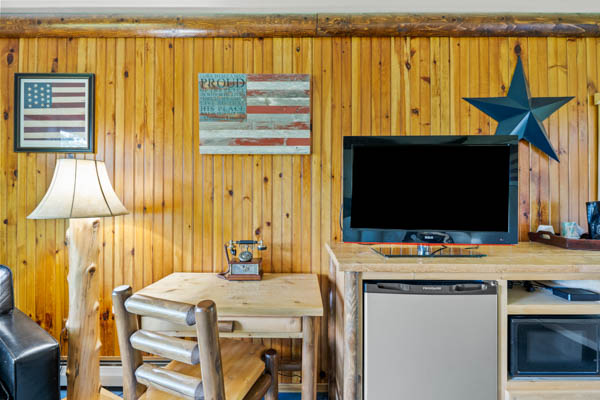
{"points": [[185, 206]]}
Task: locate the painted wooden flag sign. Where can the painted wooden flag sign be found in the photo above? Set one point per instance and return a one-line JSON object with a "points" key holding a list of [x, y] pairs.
{"points": [[254, 113]]}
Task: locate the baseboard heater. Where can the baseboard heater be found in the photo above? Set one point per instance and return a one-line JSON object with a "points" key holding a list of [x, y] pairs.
{"points": [[111, 376], [111, 372]]}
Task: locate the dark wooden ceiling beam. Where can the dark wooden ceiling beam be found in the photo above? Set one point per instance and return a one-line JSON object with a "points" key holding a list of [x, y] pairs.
{"points": [[301, 25]]}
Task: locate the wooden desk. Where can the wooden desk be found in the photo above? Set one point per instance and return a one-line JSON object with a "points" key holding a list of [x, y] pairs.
{"points": [[352, 263], [279, 306]]}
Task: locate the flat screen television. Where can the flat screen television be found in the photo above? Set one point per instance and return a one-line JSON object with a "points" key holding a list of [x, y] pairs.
{"points": [[430, 189]]}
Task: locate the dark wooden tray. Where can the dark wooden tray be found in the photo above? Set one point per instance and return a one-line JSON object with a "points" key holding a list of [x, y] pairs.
{"points": [[565, 243]]}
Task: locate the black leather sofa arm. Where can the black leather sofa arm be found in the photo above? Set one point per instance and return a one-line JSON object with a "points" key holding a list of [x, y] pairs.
{"points": [[29, 359]]}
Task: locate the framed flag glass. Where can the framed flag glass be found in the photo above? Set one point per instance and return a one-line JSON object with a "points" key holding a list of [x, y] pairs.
{"points": [[54, 113]]}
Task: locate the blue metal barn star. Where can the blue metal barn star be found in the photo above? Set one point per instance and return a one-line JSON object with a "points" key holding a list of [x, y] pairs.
{"points": [[520, 114]]}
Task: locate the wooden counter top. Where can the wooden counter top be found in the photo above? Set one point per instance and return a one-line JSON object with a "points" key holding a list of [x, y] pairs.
{"points": [[505, 262]]}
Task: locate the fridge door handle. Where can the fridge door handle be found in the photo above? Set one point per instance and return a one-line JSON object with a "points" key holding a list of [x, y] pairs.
{"points": [[470, 287], [398, 287]]}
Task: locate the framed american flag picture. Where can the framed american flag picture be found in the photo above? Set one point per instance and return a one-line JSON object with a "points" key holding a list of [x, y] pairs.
{"points": [[54, 113], [254, 113]]}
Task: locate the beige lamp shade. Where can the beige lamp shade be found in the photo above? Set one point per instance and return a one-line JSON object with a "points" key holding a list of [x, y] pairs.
{"points": [[79, 189]]}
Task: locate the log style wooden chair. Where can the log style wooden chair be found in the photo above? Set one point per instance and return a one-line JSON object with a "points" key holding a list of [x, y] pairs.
{"points": [[210, 369]]}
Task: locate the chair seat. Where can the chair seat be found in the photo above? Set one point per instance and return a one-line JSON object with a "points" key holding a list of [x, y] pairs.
{"points": [[242, 366]]}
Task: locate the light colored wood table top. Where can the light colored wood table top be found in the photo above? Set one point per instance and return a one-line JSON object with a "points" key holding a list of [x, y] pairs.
{"points": [[523, 258], [276, 295]]}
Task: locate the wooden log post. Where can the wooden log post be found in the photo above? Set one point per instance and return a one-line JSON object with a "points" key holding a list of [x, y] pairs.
{"points": [[351, 370], [272, 365], [309, 358], [597, 102], [83, 363], [259, 389], [290, 365], [210, 350], [127, 324], [331, 332]]}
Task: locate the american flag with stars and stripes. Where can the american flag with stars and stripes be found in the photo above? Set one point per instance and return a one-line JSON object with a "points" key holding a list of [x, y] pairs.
{"points": [[54, 110], [254, 113]]}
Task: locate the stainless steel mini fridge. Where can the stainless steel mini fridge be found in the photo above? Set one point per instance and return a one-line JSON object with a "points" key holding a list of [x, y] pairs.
{"points": [[430, 340]]}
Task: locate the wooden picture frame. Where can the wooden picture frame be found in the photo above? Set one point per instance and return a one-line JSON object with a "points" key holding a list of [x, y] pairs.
{"points": [[54, 113]]}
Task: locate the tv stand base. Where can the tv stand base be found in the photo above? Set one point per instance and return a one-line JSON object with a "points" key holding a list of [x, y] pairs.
{"points": [[424, 250]]}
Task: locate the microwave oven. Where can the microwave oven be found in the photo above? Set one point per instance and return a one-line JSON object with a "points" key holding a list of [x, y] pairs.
{"points": [[554, 345]]}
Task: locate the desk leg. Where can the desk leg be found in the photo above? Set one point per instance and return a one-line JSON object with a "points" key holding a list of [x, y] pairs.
{"points": [[309, 358]]}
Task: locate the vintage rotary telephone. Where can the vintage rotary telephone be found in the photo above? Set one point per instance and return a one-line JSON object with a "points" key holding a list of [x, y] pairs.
{"points": [[245, 267]]}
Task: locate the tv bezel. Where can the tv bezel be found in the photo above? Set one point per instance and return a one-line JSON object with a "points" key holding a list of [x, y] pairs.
{"points": [[423, 236]]}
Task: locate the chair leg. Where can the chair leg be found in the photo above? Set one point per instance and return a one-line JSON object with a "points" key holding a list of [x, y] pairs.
{"points": [[272, 364], [210, 350], [127, 323]]}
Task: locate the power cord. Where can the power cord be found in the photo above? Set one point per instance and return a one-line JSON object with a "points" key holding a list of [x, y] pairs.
{"points": [[292, 375], [444, 247], [530, 286]]}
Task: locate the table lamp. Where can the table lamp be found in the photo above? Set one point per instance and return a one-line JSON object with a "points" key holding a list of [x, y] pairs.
{"points": [[81, 191]]}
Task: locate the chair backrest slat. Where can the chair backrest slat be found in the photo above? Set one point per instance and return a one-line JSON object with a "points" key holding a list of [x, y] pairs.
{"points": [[170, 347], [172, 382], [172, 311]]}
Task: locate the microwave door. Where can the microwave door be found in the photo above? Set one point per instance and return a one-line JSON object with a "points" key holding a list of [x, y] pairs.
{"points": [[554, 346]]}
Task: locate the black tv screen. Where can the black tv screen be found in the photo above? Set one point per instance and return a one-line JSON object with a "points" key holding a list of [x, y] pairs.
{"points": [[448, 189]]}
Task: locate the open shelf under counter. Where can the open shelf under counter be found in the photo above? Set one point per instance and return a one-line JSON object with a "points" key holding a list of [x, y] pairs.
{"points": [[547, 389], [543, 302]]}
